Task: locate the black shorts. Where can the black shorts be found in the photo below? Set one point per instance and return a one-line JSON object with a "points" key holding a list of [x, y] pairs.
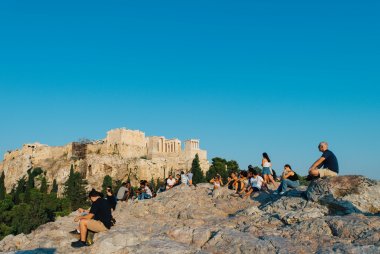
{"points": [[255, 189]]}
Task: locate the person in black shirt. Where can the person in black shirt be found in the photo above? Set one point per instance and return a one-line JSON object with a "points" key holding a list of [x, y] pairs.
{"points": [[111, 199], [289, 179], [97, 220], [327, 165]]}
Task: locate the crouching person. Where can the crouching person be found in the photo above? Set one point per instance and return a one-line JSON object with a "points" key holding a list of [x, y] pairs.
{"points": [[97, 220]]}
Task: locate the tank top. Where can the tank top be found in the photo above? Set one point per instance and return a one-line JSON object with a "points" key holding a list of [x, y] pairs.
{"points": [[267, 164], [293, 177]]}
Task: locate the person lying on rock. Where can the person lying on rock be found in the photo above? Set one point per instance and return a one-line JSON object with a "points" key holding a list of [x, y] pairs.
{"points": [[326, 165], [97, 220], [289, 179], [256, 183]]}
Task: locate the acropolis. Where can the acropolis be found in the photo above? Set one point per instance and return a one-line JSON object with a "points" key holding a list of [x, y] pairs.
{"points": [[122, 154]]}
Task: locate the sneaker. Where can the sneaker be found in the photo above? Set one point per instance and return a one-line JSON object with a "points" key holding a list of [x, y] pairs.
{"points": [[282, 193], [275, 192], [78, 244], [74, 232]]}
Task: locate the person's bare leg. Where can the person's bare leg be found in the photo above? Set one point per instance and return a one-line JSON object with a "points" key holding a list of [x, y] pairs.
{"points": [[266, 179], [272, 181], [83, 230], [248, 194]]}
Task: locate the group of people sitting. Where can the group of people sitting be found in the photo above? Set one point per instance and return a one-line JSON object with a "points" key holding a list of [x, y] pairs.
{"points": [[251, 181], [99, 217]]}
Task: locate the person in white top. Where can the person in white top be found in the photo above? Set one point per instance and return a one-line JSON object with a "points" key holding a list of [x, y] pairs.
{"points": [[267, 170], [256, 182], [170, 182]]}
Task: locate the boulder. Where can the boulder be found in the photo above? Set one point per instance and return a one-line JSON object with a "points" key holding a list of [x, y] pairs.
{"points": [[346, 194]]}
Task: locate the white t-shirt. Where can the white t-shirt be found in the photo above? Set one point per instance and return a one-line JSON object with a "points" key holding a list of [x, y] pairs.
{"points": [[257, 182], [148, 191], [170, 182]]}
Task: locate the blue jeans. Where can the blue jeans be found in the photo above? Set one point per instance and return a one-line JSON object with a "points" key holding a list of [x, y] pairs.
{"points": [[285, 183], [143, 196]]}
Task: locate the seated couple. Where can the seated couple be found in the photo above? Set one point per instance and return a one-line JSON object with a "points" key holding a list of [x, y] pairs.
{"points": [[144, 192]]}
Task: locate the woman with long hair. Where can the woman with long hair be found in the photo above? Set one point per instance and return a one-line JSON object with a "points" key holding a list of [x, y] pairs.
{"points": [[267, 169]]}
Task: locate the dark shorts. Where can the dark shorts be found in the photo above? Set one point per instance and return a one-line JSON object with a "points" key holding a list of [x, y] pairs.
{"points": [[266, 171], [255, 189]]}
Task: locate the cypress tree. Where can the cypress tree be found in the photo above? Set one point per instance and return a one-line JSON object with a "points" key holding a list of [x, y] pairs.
{"points": [[107, 181], [55, 187], [44, 186], [197, 171], [75, 190], [2, 186]]}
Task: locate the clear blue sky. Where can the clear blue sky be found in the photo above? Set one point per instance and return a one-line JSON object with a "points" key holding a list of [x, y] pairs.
{"points": [[243, 76]]}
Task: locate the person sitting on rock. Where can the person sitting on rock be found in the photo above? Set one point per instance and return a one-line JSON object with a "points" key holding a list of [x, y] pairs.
{"points": [[232, 181], [110, 197], [217, 184], [256, 184], [178, 180], [326, 165], [121, 194], [170, 182], [146, 193], [289, 179], [97, 220], [243, 178], [248, 185], [184, 179]]}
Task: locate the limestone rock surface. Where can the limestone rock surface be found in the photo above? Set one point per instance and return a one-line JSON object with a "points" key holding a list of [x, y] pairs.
{"points": [[190, 220]]}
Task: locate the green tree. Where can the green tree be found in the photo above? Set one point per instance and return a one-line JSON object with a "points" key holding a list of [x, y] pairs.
{"points": [[75, 190], [117, 185], [197, 171], [107, 181], [218, 166], [232, 166], [152, 184], [44, 186], [18, 191], [2, 186], [55, 187]]}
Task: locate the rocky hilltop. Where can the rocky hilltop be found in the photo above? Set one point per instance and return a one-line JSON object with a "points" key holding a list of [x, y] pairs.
{"points": [[335, 215], [122, 154]]}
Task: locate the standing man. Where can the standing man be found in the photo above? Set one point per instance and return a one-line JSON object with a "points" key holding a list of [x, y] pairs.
{"points": [[190, 177], [327, 165], [97, 220]]}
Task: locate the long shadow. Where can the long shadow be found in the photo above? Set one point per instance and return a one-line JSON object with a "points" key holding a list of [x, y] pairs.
{"points": [[38, 251]]}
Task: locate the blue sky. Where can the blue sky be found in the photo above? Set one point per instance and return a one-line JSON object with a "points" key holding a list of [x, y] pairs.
{"points": [[243, 76]]}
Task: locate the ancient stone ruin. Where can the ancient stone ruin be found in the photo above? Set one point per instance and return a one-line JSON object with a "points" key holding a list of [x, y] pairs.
{"points": [[122, 154]]}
